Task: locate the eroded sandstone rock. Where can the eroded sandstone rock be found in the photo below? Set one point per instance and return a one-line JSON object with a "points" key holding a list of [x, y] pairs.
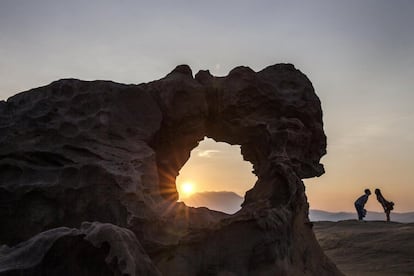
{"points": [[76, 151], [94, 249]]}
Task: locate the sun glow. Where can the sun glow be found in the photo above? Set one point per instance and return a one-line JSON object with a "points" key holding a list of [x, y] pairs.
{"points": [[187, 188]]}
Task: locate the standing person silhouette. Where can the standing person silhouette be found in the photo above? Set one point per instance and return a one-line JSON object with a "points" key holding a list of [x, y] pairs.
{"points": [[387, 205], [360, 203]]}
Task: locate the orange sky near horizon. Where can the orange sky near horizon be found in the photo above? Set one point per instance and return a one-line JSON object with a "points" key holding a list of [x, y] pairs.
{"points": [[217, 166]]}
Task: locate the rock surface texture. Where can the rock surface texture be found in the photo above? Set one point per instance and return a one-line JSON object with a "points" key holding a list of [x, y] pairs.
{"points": [[77, 151]]}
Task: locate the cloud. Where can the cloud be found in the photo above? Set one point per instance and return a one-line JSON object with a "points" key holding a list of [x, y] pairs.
{"points": [[207, 153]]}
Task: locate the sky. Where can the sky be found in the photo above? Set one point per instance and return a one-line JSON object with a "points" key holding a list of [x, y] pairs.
{"points": [[215, 166], [359, 56]]}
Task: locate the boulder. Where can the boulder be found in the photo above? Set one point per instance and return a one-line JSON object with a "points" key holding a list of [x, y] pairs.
{"points": [[94, 249]]}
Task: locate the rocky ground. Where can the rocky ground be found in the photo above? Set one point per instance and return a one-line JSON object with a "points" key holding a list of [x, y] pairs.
{"points": [[368, 248]]}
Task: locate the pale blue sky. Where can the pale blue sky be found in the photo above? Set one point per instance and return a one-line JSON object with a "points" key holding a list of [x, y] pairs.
{"points": [[358, 54]]}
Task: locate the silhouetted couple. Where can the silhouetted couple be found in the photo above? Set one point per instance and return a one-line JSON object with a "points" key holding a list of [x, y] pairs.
{"points": [[360, 203]]}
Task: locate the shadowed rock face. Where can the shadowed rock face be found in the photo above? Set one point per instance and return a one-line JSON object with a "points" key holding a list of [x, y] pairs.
{"points": [[76, 151], [94, 249]]}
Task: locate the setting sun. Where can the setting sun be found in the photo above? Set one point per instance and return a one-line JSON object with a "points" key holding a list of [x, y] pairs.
{"points": [[187, 188]]}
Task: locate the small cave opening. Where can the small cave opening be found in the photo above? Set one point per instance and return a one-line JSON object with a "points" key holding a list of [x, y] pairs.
{"points": [[216, 177]]}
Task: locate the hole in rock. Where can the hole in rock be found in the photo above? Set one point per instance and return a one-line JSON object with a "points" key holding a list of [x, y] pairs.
{"points": [[216, 177]]}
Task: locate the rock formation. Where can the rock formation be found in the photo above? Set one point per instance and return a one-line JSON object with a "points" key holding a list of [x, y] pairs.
{"points": [[95, 249], [77, 151]]}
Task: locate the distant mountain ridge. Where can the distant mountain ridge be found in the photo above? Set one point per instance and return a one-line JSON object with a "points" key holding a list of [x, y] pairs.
{"points": [[319, 215], [230, 203], [227, 202]]}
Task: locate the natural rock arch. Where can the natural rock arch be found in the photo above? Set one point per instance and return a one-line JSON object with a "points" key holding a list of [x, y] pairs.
{"points": [[77, 151], [243, 109]]}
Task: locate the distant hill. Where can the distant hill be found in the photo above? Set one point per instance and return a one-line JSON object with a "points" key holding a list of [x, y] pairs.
{"points": [[318, 215], [227, 202]]}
